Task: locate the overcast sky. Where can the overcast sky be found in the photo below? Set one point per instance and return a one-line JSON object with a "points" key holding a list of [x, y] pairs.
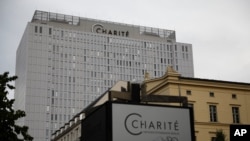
{"points": [[219, 30]]}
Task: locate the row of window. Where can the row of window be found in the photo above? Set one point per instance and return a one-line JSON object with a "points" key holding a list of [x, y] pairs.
{"points": [[103, 64], [211, 94], [92, 48], [59, 53], [60, 117], [214, 115], [84, 83], [121, 41], [213, 109], [103, 73]]}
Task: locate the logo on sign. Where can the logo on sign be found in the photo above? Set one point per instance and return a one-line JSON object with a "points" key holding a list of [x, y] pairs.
{"points": [[135, 124], [99, 28], [239, 132]]}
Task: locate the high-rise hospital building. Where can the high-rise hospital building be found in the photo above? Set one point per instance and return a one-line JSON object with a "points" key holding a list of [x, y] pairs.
{"points": [[65, 62]]}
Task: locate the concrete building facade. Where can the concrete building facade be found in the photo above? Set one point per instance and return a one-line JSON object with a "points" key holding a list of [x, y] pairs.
{"points": [[65, 62]]}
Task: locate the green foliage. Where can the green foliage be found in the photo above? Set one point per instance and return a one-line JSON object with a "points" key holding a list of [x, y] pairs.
{"points": [[220, 136], [9, 131]]}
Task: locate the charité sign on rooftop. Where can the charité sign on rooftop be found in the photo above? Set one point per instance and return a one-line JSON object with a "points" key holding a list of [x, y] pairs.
{"points": [[99, 28]]}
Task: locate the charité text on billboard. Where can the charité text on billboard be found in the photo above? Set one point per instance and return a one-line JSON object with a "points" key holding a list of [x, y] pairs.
{"points": [[99, 28], [135, 125]]}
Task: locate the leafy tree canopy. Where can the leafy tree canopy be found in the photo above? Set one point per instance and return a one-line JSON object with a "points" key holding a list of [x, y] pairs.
{"points": [[9, 131]]}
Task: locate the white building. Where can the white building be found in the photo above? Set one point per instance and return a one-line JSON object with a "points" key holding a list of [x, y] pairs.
{"points": [[65, 62]]}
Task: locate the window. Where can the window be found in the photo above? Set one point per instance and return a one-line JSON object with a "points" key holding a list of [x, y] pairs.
{"points": [[211, 94], [47, 132], [50, 31], [213, 113], [234, 96], [61, 33], [36, 29], [41, 29], [236, 114], [188, 92], [76, 131], [47, 108], [52, 101]]}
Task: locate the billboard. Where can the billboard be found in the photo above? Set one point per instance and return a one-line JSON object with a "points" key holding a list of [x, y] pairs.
{"points": [[151, 123]]}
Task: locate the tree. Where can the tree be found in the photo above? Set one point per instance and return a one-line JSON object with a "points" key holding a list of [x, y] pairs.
{"points": [[220, 136], [9, 131]]}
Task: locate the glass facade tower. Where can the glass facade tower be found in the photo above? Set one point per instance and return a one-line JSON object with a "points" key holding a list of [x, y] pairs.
{"points": [[65, 62]]}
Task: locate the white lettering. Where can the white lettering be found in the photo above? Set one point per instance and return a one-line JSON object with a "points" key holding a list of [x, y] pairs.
{"points": [[239, 132], [99, 28], [135, 125], [243, 131]]}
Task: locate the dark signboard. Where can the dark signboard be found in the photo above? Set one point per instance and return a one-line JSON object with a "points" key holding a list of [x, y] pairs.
{"points": [[137, 122], [239, 132]]}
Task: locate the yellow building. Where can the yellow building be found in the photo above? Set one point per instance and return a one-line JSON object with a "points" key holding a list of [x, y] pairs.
{"points": [[216, 104]]}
